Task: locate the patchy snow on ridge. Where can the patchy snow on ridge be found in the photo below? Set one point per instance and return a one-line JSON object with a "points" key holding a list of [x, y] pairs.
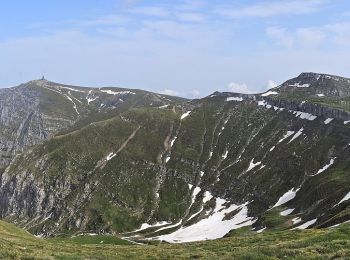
{"points": [[111, 92], [286, 212], [186, 115], [288, 134], [304, 115], [288, 196], [234, 99], [296, 220], [269, 93], [328, 120], [331, 162], [212, 227], [252, 165], [347, 197], [224, 156], [298, 85], [173, 141], [110, 156], [306, 224], [297, 134], [147, 226]]}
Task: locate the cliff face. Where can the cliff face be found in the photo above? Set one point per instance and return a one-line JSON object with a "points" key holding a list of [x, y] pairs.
{"points": [[174, 170]]}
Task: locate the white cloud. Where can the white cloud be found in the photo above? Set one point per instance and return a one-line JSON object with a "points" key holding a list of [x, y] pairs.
{"points": [[239, 88], [155, 11], [340, 32], [190, 17], [169, 92], [271, 84], [272, 8], [281, 35], [195, 93]]}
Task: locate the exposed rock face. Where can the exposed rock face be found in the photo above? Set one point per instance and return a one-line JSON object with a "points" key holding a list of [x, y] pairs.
{"points": [[22, 123]]}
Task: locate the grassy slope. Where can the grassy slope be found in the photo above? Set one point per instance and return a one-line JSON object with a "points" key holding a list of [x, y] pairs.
{"points": [[308, 244]]}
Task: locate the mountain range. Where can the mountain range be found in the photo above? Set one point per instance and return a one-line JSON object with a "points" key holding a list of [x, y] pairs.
{"points": [[148, 167]]}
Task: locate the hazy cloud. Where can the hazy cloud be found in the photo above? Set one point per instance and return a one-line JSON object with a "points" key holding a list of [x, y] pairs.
{"points": [[272, 8], [239, 88]]}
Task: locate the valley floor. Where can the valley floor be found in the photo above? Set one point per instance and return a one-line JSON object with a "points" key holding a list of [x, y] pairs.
{"points": [[331, 243]]}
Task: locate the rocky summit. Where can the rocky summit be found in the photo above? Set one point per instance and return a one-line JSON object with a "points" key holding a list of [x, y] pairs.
{"points": [[151, 167]]}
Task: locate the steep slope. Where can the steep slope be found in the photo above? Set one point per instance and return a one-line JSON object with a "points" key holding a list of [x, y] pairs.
{"points": [[35, 111], [190, 171]]}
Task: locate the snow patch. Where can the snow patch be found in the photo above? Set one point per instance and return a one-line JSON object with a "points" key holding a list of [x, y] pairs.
{"points": [[304, 115], [345, 122], [320, 95], [328, 120], [272, 148], [286, 212], [288, 196], [298, 85], [306, 224], [214, 226], [331, 162], [288, 134], [347, 197], [173, 141], [224, 156], [297, 134], [269, 93], [252, 165], [110, 156], [296, 220], [111, 92], [234, 99], [147, 226], [186, 115]]}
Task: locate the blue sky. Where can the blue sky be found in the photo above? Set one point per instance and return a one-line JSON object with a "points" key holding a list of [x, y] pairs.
{"points": [[189, 48]]}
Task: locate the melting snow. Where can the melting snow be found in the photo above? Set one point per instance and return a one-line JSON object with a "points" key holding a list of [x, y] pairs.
{"points": [[325, 167], [288, 196], [286, 212], [224, 156], [73, 89], [272, 148], [111, 92], [110, 156], [306, 224], [91, 99], [297, 134], [345, 122], [320, 95], [261, 230], [252, 165], [296, 220], [298, 85], [212, 227], [185, 115], [269, 93], [167, 159], [347, 197], [288, 134], [207, 197], [304, 115], [234, 99], [173, 141], [165, 106], [146, 225], [328, 120]]}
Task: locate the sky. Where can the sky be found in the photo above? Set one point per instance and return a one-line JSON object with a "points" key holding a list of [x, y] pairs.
{"points": [[189, 48]]}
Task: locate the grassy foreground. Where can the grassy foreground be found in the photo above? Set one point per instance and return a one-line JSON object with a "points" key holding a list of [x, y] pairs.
{"points": [[330, 243]]}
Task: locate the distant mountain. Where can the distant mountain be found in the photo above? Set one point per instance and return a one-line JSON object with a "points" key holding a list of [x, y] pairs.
{"points": [[151, 166]]}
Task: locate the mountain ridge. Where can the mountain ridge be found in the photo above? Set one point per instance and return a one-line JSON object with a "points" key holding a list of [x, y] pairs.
{"points": [[160, 167]]}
